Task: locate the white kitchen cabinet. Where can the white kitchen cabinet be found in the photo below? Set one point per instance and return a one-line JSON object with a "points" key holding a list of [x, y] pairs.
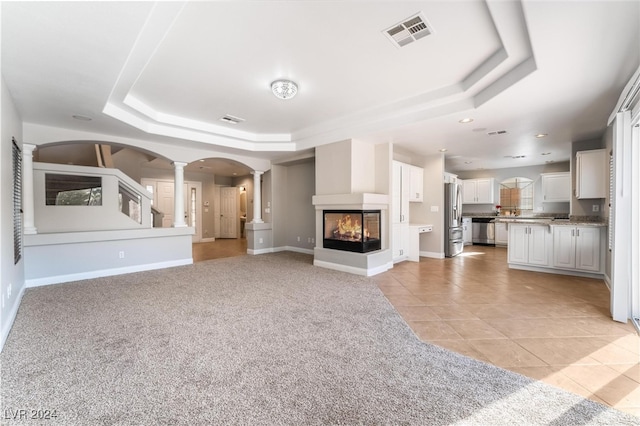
{"points": [[400, 242], [529, 244], [467, 232], [478, 191], [416, 183], [502, 234], [450, 178], [592, 174], [577, 247], [556, 187], [400, 193]]}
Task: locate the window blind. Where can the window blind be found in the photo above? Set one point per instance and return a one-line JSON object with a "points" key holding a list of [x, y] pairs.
{"points": [[611, 199], [17, 202]]}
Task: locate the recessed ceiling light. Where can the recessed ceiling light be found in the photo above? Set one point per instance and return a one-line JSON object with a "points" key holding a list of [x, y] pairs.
{"points": [[479, 129], [545, 153], [541, 135], [468, 162], [465, 120], [202, 161], [82, 117], [443, 150]]}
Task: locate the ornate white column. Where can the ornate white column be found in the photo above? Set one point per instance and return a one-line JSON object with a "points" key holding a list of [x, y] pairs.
{"points": [[178, 195], [27, 189], [257, 197]]}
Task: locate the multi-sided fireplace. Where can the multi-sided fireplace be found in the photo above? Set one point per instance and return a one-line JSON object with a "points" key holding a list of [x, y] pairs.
{"points": [[352, 230]]}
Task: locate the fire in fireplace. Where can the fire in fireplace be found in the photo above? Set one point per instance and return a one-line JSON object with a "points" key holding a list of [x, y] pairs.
{"points": [[352, 230]]}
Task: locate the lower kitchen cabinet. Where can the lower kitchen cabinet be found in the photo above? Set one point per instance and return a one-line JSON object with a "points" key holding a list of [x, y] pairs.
{"points": [[502, 234], [529, 244], [577, 247], [400, 242]]}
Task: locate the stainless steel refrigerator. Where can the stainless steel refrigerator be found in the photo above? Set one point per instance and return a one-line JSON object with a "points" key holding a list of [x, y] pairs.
{"points": [[453, 243]]}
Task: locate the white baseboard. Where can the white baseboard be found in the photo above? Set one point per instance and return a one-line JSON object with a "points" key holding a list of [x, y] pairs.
{"points": [[58, 279], [556, 271], [353, 269], [260, 251], [6, 326], [279, 249], [207, 240], [432, 254], [294, 249]]}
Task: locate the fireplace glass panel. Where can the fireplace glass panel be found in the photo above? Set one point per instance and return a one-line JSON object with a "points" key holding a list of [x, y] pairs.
{"points": [[352, 230]]}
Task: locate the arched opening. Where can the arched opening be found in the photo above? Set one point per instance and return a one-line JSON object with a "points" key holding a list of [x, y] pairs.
{"points": [[218, 192]]}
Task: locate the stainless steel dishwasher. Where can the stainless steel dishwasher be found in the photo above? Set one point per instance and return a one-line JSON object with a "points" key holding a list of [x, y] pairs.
{"points": [[483, 231]]}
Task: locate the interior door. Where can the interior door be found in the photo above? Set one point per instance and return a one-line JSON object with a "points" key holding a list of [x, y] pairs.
{"points": [[165, 202], [228, 212]]}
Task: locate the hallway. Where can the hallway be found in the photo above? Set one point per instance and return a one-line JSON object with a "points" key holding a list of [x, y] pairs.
{"points": [[221, 247]]}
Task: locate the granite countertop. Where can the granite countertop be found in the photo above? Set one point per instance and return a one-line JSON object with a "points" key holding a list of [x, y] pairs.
{"points": [[551, 222]]}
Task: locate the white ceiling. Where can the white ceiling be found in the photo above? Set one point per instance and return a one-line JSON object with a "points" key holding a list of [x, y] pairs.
{"points": [[168, 71]]}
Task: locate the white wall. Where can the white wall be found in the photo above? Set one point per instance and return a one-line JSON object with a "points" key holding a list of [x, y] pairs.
{"points": [[57, 258], [431, 243], [333, 168], [293, 212], [11, 276]]}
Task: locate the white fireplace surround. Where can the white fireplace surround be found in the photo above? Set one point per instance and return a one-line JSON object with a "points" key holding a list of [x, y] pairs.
{"points": [[366, 264]]}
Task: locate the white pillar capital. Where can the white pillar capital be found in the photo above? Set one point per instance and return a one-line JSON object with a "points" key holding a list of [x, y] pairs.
{"points": [[28, 213], [28, 148], [257, 197], [178, 195]]}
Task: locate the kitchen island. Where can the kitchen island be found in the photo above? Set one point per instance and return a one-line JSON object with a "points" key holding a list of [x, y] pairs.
{"points": [[559, 246]]}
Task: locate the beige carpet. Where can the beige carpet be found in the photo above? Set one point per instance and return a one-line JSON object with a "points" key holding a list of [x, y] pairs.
{"points": [[266, 339]]}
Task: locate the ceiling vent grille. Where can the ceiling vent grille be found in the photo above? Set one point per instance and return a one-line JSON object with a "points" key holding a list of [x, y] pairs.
{"points": [[497, 132], [231, 119], [409, 30]]}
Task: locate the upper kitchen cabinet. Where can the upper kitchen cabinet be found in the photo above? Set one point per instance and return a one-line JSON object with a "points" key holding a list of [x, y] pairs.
{"points": [[591, 174], [556, 187], [478, 191], [416, 184], [450, 178]]}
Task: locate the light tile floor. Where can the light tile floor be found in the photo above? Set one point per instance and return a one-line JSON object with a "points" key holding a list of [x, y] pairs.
{"points": [[552, 328]]}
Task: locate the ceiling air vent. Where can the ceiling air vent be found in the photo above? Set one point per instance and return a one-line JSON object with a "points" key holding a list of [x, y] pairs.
{"points": [[231, 119], [497, 132], [409, 30]]}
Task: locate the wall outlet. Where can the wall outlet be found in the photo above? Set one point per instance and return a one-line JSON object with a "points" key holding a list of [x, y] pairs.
{"points": [[298, 239], [596, 208], [435, 209], [261, 241], [313, 240], [121, 255]]}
